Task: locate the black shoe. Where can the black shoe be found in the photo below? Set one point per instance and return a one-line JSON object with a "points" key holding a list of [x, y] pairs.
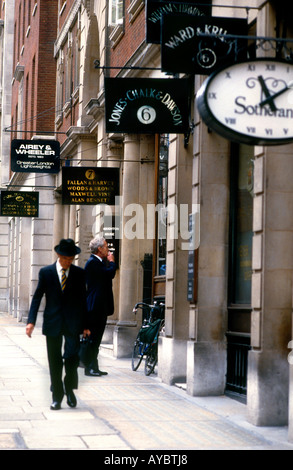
{"points": [[71, 399], [92, 373], [56, 405], [97, 369]]}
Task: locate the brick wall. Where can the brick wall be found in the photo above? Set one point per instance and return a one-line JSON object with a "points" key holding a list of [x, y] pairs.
{"points": [[134, 35], [35, 34]]}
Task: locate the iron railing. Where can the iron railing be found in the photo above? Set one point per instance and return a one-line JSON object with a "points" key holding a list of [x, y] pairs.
{"points": [[238, 346]]}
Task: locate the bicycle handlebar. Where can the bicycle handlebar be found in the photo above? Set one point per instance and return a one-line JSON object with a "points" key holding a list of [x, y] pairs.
{"points": [[149, 306], [141, 305]]}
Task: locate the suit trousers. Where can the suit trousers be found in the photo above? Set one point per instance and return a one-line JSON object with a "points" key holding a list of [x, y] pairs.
{"points": [[97, 331], [71, 362]]}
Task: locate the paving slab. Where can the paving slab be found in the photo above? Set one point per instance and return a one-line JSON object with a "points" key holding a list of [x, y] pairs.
{"points": [[124, 411]]}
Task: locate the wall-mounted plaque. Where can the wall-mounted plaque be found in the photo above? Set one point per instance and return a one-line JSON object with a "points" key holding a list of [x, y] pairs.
{"points": [[90, 185], [147, 105], [111, 233], [19, 204], [192, 271], [35, 156]]}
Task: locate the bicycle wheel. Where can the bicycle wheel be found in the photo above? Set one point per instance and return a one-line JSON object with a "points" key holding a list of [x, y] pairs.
{"points": [[137, 354], [151, 359]]}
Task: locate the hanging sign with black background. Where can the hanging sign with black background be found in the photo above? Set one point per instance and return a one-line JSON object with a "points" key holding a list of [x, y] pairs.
{"points": [[90, 186], [156, 9], [147, 105], [186, 47], [35, 156], [19, 204]]}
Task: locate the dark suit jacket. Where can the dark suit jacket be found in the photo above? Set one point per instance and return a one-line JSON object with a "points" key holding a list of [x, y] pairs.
{"points": [[99, 277], [65, 312]]}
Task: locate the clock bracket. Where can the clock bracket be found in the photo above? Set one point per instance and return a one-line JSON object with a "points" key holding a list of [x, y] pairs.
{"points": [[282, 48]]}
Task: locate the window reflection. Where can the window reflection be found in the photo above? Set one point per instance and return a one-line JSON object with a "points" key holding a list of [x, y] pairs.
{"points": [[243, 225], [162, 202]]}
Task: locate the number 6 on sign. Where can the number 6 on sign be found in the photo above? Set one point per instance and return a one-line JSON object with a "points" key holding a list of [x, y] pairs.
{"points": [[146, 114]]}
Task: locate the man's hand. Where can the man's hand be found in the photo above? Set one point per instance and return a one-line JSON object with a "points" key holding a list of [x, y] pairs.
{"points": [[110, 257], [29, 329]]}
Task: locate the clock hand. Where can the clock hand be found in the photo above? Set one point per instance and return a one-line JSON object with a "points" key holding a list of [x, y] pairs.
{"points": [[272, 97], [269, 99]]}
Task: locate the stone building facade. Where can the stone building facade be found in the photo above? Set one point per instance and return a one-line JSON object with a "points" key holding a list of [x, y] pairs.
{"points": [[233, 336]]}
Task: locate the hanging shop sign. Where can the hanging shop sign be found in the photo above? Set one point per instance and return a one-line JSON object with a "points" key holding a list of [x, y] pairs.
{"points": [[198, 45], [156, 10], [147, 105], [250, 102], [19, 204], [90, 186], [35, 156]]}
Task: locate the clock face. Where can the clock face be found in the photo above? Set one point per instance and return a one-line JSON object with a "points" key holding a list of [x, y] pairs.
{"points": [[250, 102]]}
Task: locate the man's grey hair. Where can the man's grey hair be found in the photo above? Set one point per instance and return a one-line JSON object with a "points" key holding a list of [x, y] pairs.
{"points": [[96, 243]]}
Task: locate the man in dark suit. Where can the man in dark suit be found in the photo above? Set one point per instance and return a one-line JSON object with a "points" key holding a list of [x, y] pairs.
{"points": [[65, 316], [100, 269]]}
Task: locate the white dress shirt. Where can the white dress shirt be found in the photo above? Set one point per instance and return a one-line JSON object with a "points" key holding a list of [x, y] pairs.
{"points": [[98, 257], [59, 271]]}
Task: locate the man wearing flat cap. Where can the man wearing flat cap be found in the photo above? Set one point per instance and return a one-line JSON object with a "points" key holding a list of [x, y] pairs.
{"points": [[65, 318]]}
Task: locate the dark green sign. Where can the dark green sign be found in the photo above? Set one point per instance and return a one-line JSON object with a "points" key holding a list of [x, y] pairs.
{"points": [[19, 204]]}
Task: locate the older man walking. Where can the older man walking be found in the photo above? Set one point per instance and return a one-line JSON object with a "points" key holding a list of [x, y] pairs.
{"points": [[100, 269]]}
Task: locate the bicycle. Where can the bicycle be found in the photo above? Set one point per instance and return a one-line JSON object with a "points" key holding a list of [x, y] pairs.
{"points": [[151, 359], [146, 341]]}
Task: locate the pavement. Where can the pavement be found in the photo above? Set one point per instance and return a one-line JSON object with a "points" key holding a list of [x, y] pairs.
{"points": [[123, 411]]}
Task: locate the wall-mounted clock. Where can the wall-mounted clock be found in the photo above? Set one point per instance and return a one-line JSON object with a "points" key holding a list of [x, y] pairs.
{"points": [[250, 102]]}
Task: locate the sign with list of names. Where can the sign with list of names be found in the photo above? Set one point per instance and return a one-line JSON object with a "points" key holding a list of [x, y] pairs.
{"points": [[19, 204], [90, 185]]}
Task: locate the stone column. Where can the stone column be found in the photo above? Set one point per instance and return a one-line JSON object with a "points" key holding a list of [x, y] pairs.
{"points": [[5, 146], [125, 331], [137, 188], [206, 349], [4, 266], [42, 232], [268, 368], [58, 223], [172, 349], [24, 254]]}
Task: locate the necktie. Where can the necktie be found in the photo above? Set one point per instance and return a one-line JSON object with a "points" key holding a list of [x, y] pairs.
{"points": [[63, 280]]}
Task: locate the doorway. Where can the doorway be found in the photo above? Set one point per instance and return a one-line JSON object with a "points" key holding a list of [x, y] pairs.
{"points": [[240, 270]]}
